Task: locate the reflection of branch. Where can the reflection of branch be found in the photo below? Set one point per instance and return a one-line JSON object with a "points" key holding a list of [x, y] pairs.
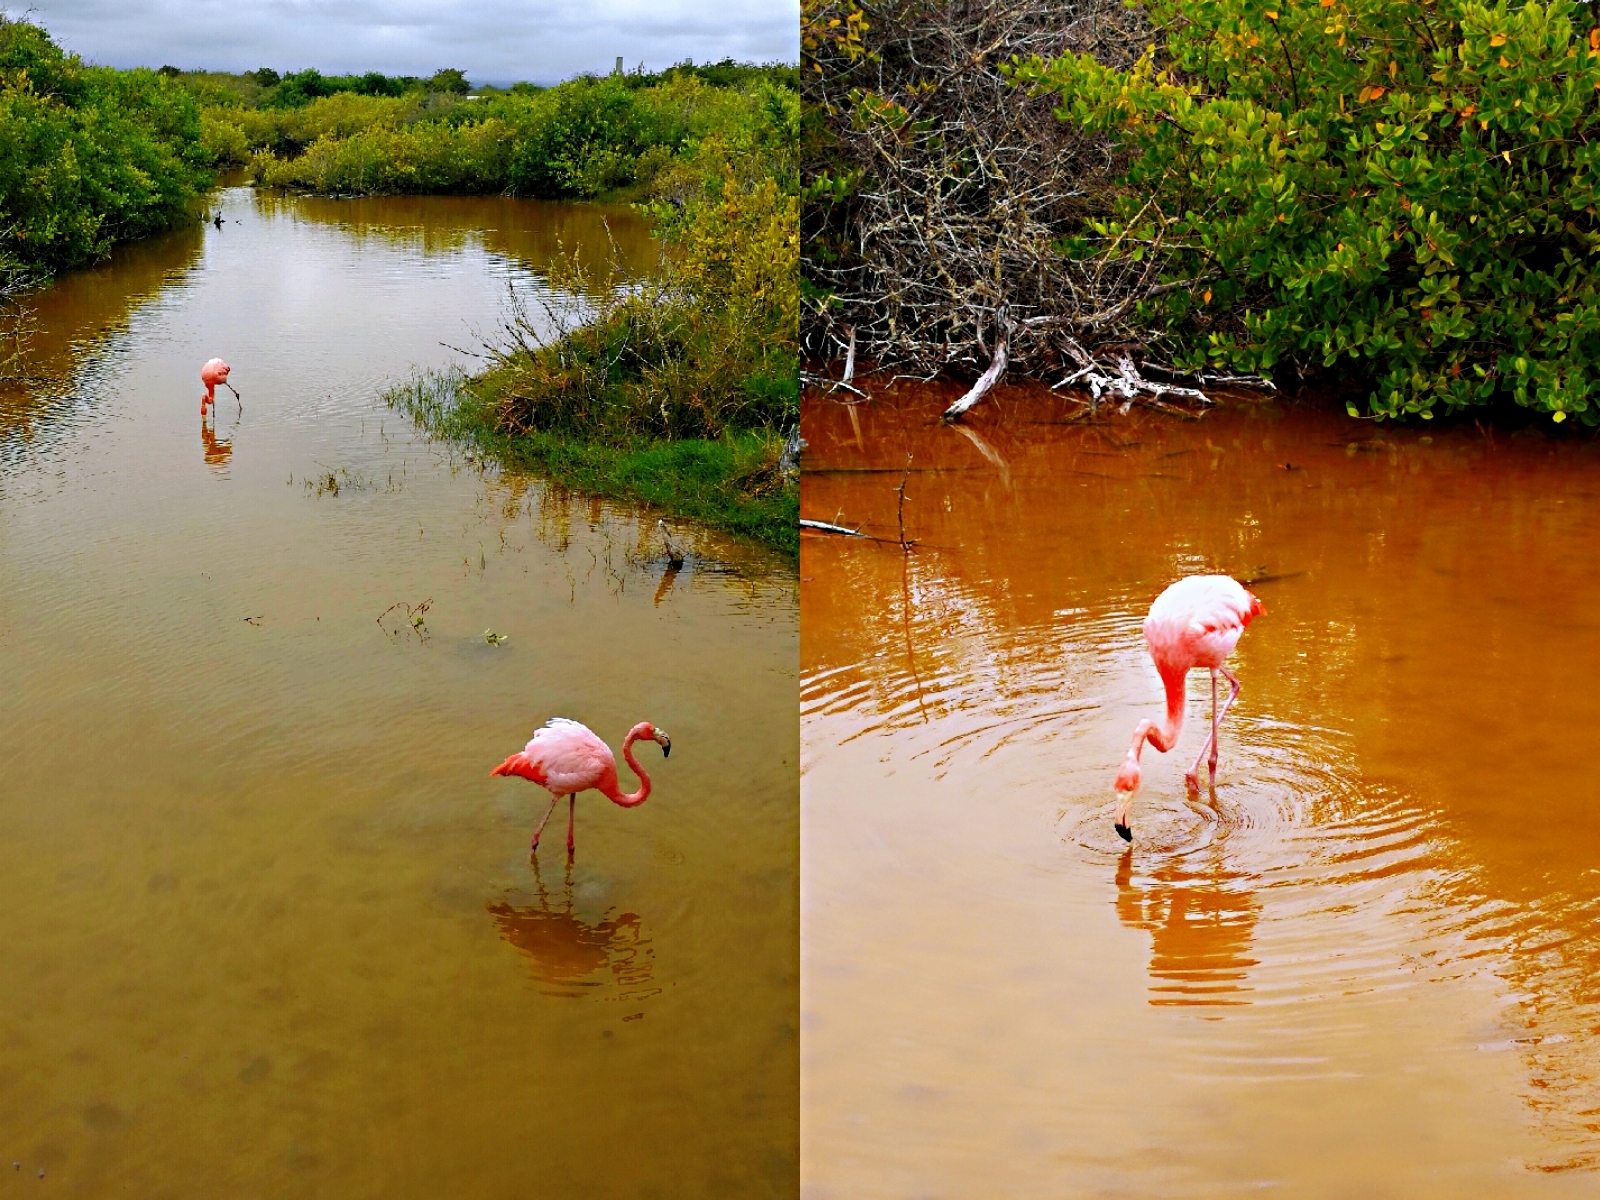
{"points": [[667, 577], [988, 451], [905, 584]]}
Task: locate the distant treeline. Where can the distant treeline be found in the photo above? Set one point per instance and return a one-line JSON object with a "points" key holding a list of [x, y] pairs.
{"points": [[587, 137], [266, 88]]}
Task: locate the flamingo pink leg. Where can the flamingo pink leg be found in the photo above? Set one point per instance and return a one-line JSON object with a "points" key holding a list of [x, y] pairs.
{"points": [[572, 812], [1192, 778], [539, 832]]}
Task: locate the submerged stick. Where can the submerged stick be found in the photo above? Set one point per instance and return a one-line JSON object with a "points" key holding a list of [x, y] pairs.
{"points": [[900, 507]]}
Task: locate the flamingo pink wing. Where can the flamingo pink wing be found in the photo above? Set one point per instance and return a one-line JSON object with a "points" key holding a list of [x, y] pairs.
{"points": [[570, 755]]}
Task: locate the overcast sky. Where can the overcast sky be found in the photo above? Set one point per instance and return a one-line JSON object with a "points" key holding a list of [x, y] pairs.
{"points": [[493, 41]]}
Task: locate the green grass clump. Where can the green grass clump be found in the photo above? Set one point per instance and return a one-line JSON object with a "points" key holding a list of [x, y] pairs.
{"points": [[731, 482], [677, 389]]}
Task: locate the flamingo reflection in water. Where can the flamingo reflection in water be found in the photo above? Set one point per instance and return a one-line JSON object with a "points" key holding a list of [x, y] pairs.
{"points": [[568, 955], [217, 450], [1201, 921]]}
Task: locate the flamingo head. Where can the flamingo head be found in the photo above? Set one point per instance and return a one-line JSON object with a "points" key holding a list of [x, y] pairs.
{"points": [[648, 732], [1126, 786], [520, 764], [1257, 609]]}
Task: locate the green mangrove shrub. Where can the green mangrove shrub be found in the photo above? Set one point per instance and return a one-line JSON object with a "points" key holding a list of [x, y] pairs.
{"points": [[1403, 187], [89, 156]]}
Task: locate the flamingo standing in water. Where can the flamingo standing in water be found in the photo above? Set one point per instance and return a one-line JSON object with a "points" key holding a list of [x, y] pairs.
{"points": [[566, 757], [214, 372], [1194, 623]]}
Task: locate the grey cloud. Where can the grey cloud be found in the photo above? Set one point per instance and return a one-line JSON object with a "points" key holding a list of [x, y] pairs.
{"points": [[491, 40]]}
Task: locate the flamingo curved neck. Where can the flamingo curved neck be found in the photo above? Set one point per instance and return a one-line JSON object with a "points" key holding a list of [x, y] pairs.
{"points": [[626, 799], [1165, 735]]}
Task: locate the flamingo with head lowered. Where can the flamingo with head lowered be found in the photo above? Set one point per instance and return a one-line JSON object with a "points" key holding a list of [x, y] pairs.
{"points": [[214, 372], [566, 758], [1194, 623]]}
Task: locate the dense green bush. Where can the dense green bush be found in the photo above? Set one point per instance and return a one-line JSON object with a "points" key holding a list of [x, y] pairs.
{"points": [[417, 159], [89, 156], [1406, 187]]}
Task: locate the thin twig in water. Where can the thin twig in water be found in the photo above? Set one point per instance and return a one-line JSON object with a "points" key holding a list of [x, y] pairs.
{"points": [[900, 507]]}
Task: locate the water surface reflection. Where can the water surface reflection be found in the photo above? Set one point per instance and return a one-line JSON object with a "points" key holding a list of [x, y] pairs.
{"points": [[566, 953]]}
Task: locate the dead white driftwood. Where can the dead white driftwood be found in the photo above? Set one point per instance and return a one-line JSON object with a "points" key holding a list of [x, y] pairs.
{"points": [[990, 377], [825, 527], [1126, 383]]}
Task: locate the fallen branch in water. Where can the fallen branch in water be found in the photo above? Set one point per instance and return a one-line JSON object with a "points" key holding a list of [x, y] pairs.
{"points": [[811, 379], [990, 377], [825, 527], [1127, 383], [675, 556], [900, 507]]}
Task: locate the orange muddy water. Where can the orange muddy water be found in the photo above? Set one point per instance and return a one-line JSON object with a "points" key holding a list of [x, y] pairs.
{"points": [[1373, 970], [269, 928]]}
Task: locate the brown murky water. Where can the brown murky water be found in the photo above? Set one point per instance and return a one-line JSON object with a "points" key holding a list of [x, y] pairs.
{"points": [[1374, 971], [268, 926]]}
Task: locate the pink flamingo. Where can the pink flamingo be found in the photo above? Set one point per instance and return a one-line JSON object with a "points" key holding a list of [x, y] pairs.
{"points": [[214, 372], [566, 758], [1194, 623]]}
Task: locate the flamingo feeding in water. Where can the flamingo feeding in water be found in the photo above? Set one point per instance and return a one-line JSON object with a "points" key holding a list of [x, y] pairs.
{"points": [[1194, 623], [214, 372], [566, 758]]}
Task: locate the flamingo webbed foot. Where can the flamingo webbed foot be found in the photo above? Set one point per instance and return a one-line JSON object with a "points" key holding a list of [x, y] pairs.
{"points": [[1123, 831]]}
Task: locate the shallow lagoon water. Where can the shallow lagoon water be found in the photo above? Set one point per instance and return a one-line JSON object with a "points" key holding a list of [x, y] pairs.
{"points": [[1373, 970], [269, 927]]}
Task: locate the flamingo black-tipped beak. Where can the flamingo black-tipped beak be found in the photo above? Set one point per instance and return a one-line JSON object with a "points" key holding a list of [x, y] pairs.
{"points": [[1123, 831], [666, 746]]}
